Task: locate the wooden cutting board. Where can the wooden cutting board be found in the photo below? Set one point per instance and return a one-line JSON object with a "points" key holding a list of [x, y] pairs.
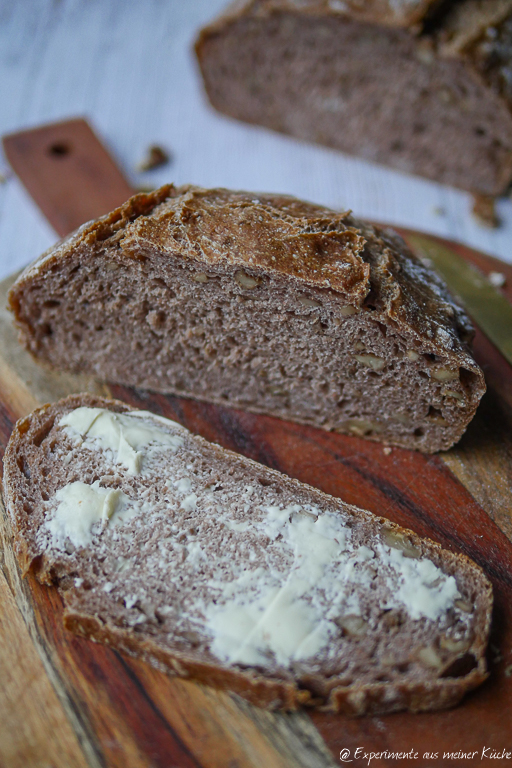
{"points": [[115, 711], [67, 702]]}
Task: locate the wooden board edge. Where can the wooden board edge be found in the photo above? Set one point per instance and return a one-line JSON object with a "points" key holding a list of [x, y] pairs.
{"points": [[21, 595]]}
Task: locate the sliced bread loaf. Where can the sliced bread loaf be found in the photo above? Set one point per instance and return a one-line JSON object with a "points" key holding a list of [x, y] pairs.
{"points": [[211, 566], [420, 85], [261, 302]]}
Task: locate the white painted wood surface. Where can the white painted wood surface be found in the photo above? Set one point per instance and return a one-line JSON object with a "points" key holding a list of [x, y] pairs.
{"points": [[127, 66]]}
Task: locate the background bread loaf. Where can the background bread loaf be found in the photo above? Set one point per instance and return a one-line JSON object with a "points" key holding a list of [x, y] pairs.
{"points": [[424, 87]]}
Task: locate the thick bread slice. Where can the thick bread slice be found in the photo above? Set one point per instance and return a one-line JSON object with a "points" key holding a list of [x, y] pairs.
{"points": [[260, 302], [211, 566], [424, 87]]}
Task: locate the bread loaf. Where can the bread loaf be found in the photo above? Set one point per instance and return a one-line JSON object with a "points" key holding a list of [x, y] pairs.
{"points": [[213, 567], [422, 86], [261, 302]]}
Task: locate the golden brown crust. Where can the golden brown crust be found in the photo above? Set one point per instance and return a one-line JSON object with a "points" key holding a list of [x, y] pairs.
{"points": [[93, 232], [260, 690], [280, 235], [458, 27], [277, 234], [408, 13], [480, 33], [467, 23]]}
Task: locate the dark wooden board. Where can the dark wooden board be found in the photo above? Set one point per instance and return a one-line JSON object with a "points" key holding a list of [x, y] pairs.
{"points": [[125, 713]]}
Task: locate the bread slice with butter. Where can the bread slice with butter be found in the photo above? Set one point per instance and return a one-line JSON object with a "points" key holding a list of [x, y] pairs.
{"points": [[261, 302], [213, 567]]}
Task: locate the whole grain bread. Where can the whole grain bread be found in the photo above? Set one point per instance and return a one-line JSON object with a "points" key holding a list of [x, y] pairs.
{"points": [[213, 567], [261, 302], [422, 86]]}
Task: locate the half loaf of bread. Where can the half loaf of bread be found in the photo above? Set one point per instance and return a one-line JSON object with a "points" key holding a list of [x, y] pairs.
{"points": [[261, 302], [420, 85], [213, 567]]}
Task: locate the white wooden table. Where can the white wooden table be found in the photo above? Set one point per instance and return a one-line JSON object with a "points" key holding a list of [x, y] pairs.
{"points": [[127, 66]]}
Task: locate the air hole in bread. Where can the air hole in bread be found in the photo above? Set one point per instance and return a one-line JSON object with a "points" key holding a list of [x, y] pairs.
{"points": [[467, 378], [24, 467], [461, 666], [419, 432], [45, 329], [42, 433]]}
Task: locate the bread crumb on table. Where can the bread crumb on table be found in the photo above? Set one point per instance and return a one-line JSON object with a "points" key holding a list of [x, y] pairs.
{"points": [[155, 157], [484, 211]]}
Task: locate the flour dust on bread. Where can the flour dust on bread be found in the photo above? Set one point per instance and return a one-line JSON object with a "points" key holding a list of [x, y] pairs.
{"points": [[420, 85], [213, 567], [261, 302]]}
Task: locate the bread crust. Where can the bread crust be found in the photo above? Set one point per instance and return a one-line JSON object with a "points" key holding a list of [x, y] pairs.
{"points": [[376, 257], [410, 13], [272, 237], [265, 691], [353, 700]]}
